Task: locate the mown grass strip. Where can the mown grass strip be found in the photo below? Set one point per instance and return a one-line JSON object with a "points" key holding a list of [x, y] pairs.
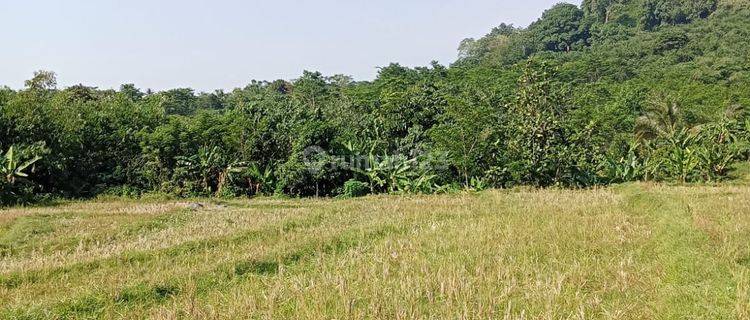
{"points": [[694, 281], [143, 295], [129, 259]]}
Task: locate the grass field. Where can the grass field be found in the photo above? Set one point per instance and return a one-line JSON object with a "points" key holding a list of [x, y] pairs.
{"points": [[639, 251]]}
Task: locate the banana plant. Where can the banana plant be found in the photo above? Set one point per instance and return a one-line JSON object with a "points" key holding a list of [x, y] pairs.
{"points": [[259, 178], [715, 161], [421, 183], [478, 184], [681, 158], [398, 170], [630, 167], [373, 172], [394, 173], [207, 163], [13, 169]]}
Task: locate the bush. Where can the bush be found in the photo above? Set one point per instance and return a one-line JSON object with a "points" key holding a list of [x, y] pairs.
{"points": [[354, 188]]}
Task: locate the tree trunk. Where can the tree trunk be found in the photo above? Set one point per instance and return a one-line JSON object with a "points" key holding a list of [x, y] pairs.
{"points": [[606, 15], [222, 181], [466, 177]]}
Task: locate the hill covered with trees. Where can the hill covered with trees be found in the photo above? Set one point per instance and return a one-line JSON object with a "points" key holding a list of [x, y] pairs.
{"points": [[612, 91]]}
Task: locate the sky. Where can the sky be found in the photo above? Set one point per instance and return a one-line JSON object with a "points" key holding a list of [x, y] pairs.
{"points": [[223, 44]]}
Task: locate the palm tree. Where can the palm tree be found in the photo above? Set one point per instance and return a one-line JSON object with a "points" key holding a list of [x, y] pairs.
{"points": [[661, 119]]}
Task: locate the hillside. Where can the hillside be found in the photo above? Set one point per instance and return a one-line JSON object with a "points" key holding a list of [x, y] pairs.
{"points": [[613, 91]]}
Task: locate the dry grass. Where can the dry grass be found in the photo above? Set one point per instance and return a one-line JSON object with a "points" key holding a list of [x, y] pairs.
{"points": [[630, 252]]}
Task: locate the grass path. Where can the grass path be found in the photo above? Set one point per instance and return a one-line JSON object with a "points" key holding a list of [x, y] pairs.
{"points": [[694, 282], [637, 251]]}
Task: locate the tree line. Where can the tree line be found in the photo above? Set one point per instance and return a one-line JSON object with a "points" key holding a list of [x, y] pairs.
{"points": [[609, 92]]}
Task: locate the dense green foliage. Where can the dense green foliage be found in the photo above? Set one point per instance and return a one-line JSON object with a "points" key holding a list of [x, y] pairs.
{"points": [[617, 90]]}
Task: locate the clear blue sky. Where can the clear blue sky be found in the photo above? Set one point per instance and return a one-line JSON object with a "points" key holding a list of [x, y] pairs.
{"points": [[224, 44]]}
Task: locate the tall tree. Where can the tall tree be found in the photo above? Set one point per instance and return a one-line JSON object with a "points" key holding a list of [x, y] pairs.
{"points": [[561, 28]]}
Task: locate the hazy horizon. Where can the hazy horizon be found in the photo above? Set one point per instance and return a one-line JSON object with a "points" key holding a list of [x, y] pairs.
{"points": [[225, 44]]}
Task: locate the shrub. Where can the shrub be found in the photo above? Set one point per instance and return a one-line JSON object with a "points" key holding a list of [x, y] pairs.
{"points": [[354, 188]]}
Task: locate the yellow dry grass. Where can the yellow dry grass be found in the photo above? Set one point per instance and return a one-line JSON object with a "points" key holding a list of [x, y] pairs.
{"points": [[638, 251]]}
